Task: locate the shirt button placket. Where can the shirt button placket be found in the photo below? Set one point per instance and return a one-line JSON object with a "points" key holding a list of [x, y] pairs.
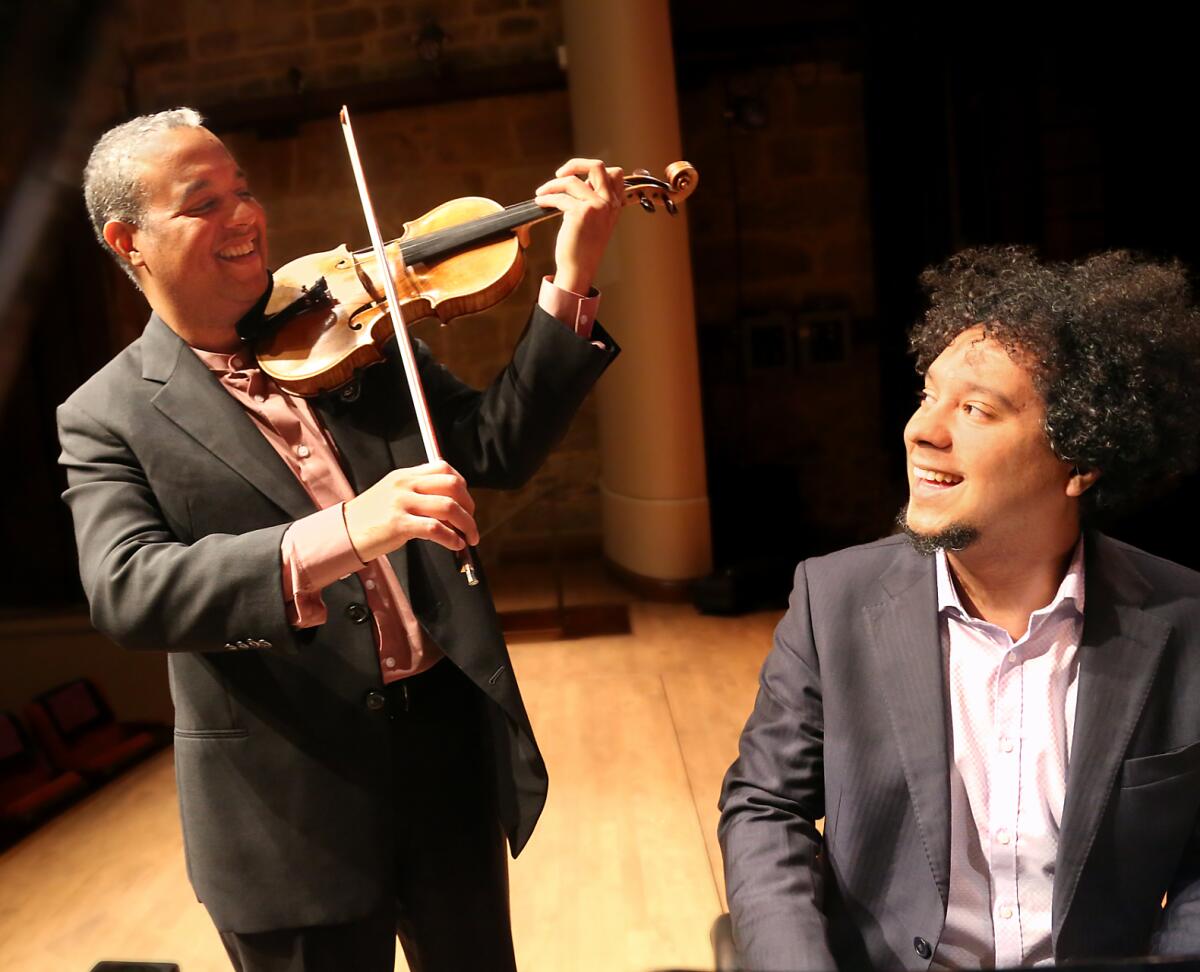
{"points": [[1005, 789]]}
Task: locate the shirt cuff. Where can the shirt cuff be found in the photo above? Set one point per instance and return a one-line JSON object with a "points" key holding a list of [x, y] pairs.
{"points": [[315, 551], [573, 310]]}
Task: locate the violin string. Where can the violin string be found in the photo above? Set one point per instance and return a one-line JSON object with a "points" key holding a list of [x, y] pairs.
{"points": [[443, 242], [425, 249]]}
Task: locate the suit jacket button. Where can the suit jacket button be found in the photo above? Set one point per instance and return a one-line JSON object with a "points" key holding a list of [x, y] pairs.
{"points": [[922, 948], [376, 701], [357, 613]]}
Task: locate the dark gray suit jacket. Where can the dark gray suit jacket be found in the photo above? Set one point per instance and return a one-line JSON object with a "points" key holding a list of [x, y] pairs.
{"points": [[180, 505], [851, 724]]}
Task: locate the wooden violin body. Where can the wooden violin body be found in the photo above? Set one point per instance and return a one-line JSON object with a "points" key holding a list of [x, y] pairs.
{"points": [[328, 315]]}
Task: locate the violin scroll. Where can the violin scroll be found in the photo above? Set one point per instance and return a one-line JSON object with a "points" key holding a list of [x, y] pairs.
{"points": [[680, 183]]}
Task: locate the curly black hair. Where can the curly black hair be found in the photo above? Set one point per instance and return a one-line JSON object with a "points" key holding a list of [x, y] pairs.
{"points": [[1113, 342]]}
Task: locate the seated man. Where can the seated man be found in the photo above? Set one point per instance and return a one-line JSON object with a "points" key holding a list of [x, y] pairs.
{"points": [[998, 713]]}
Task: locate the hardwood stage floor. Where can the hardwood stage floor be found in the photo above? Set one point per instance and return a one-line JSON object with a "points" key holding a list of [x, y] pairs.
{"points": [[622, 875]]}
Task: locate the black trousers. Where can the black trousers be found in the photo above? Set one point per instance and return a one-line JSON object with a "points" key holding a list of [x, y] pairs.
{"points": [[450, 911]]}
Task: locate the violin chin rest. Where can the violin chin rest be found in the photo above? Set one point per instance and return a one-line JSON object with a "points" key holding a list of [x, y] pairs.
{"points": [[252, 324]]}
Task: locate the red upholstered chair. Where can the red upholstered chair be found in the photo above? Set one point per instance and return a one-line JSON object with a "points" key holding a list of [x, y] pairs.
{"points": [[29, 788], [77, 729]]}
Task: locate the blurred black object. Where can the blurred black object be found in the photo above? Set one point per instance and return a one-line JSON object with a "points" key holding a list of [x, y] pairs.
{"points": [[135, 967]]}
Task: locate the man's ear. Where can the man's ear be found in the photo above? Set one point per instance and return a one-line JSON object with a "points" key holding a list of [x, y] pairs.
{"points": [[120, 236], [1081, 480]]}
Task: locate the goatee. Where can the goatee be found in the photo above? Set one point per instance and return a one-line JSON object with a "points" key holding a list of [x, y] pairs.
{"points": [[957, 536]]}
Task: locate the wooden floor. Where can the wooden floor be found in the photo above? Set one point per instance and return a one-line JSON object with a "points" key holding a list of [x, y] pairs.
{"points": [[622, 875]]}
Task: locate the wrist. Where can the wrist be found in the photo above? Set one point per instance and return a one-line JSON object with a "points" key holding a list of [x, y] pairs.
{"points": [[573, 282], [359, 540]]}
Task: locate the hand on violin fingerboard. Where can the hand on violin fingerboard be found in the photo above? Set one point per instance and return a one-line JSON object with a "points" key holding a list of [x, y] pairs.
{"points": [[589, 195], [425, 502]]}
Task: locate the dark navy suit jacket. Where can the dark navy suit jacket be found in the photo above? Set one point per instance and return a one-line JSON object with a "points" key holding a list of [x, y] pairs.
{"points": [[851, 724]]}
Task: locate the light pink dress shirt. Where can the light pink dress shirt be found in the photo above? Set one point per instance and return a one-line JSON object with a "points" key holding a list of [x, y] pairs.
{"points": [[1012, 711], [316, 550]]}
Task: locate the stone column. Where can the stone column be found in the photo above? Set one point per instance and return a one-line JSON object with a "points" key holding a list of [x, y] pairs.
{"points": [[621, 75]]}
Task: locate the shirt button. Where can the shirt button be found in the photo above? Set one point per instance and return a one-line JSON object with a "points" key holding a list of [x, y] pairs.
{"points": [[302, 451], [260, 398], [1006, 744], [583, 318], [1006, 912], [390, 662], [369, 584], [375, 701], [1012, 657], [1003, 836], [357, 613], [923, 947]]}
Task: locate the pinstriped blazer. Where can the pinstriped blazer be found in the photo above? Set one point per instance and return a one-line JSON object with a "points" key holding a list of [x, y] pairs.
{"points": [[851, 723]]}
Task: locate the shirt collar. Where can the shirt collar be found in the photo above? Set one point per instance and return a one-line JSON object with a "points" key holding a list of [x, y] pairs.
{"points": [[1070, 589], [223, 363]]}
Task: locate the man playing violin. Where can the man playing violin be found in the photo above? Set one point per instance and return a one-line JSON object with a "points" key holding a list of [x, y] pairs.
{"points": [[351, 746]]}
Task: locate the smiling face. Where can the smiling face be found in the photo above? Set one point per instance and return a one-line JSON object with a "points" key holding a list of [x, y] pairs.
{"points": [[980, 466], [200, 249]]}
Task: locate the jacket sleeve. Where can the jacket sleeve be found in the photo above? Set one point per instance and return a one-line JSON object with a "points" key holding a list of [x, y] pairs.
{"points": [[146, 588], [772, 797], [498, 437]]}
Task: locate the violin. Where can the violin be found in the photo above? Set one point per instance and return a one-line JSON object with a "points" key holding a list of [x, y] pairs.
{"points": [[328, 316]]}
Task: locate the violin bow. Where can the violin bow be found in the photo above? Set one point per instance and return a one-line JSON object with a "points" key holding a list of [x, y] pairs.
{"points": [[466, 562]]}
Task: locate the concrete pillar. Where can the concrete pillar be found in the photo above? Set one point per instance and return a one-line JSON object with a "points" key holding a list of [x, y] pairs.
{"points": [[621, 75]]}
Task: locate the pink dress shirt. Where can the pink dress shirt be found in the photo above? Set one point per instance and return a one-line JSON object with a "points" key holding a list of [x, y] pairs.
{"points": [[1012, 711], [316, 550]]}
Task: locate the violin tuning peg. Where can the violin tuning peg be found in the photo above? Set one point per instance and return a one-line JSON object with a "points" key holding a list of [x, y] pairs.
{"points": [[669, 205], [645, 203]]}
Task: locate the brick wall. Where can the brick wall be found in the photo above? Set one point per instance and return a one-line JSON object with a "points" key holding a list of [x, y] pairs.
{"points": [[797, 186], [781, 239], [211, 54], [780, 224], [211, 51]]}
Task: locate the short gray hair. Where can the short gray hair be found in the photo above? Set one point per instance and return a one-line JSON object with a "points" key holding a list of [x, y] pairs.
{"points": [[111, 187]]}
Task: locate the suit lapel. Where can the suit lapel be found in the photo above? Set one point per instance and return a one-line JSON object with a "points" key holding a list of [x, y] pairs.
{"points": [[908, 648], [194, 400], [1119, 654], [362, 448]]}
